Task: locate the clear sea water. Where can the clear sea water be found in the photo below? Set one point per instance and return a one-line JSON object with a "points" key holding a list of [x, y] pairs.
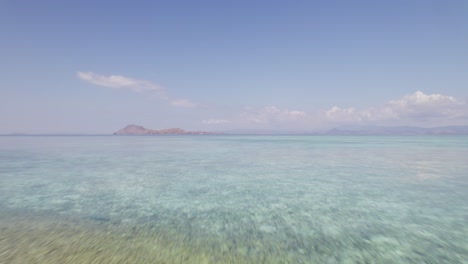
{"points": [[234, 199]]}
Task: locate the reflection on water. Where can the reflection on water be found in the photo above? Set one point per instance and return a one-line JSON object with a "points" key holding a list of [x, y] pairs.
{"points": [[234, 199]]}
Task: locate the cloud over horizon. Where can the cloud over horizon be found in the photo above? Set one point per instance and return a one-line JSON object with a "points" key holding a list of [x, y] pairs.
{"points": [[417, 109], [215, 121], [118, 81], [182, 103], [272, 114], [413, 109]]}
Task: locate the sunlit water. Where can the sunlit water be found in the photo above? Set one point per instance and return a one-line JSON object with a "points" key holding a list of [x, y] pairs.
{"points": [[233, 199]]}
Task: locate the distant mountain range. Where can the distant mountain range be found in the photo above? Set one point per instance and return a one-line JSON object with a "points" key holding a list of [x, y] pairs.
{"points": [[139, 130], [400, 130], [362, 130]]}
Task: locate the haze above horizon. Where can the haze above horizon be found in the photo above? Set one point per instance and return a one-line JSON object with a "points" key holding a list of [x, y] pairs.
{"points": [[94, 67]]}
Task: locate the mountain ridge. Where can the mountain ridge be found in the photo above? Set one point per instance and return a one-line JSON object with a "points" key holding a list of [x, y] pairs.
{"points": [[400, 130]]}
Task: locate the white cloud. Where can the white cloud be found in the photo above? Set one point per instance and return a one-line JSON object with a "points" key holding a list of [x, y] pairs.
{"points": [[419, 98], [337, 113], [215, 121], [420, 105], [182, 103], [417, 108], [271, 114], [117, 81]]}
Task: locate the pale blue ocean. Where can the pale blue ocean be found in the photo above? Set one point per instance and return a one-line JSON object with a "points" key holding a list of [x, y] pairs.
{"points": [[234, 199]]}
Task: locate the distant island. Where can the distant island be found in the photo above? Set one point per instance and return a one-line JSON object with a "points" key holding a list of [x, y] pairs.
{"points": [[139, 130]]}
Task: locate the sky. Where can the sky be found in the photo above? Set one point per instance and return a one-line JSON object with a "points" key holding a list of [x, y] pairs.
{"points": [[96, 66]]}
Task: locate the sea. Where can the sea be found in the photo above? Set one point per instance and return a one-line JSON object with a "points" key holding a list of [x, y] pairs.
{"points": [[234, 199]]}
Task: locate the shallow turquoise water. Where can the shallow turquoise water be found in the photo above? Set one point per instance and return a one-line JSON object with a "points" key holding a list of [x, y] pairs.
{"points": [[322, 199]]}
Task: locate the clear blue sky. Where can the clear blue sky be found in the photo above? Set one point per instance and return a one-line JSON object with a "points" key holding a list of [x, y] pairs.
{"points": [[95, 66]]}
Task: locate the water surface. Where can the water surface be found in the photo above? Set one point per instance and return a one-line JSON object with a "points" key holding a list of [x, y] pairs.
{"points": [[234, 199]]}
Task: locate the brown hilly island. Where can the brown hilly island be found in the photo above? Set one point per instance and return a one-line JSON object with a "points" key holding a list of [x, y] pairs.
{"points": [[139, 130]]}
